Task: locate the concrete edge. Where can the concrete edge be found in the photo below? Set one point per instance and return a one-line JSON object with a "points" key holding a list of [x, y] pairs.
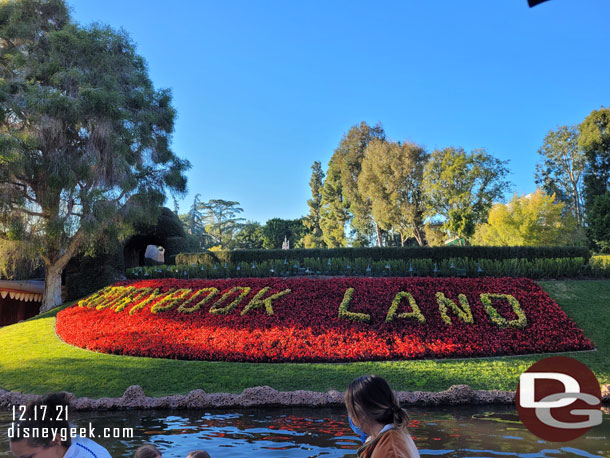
{"points": [[265, 396]]}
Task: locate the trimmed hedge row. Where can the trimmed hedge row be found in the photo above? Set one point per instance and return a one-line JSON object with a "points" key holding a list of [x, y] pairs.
{"points": [[465, 267], [384, 254]]}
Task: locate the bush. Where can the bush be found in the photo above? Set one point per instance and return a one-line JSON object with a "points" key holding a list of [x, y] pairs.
{"points": [[451, 267], [600, 265], [436, 254]]}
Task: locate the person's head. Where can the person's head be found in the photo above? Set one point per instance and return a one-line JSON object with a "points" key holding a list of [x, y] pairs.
{"points": [[198, 454], [148, 451], [30, 433], [369, 400]]}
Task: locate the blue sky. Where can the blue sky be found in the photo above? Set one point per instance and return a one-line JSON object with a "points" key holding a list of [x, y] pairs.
{"points": [[265, 88]]}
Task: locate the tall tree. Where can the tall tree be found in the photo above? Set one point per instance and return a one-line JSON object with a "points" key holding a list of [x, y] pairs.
{"points": [[533, 220], [250, 236], [350, 153], [342, 202], [333, 213], [313, 237], [194, 225], [84, 136], [561, 172], [391, 181], [221, 220], [193, 219], [276, 229], [594, 139], [462, 187]]}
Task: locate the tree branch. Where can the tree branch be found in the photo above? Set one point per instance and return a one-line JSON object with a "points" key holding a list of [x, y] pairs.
{"points": [[27, 212]]}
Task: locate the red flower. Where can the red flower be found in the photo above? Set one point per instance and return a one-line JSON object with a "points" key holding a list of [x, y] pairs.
{"points": [[299, 319]]}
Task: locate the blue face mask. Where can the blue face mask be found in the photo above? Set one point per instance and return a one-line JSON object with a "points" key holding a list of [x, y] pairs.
{"points": [[357, 430]]}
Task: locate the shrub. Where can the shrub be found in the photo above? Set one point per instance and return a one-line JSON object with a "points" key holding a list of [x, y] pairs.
{"points": [[383, 254], [452, 267], [600, 265]]}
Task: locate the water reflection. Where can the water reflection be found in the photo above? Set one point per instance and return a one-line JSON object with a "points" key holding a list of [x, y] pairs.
{"points": [[448, 432]]}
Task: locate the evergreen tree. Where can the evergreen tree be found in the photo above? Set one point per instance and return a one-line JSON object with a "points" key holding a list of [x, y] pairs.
{"points": [[276, 229], [594, 139], [250, 236], [221, 221], [313, 238], [333, 214]]}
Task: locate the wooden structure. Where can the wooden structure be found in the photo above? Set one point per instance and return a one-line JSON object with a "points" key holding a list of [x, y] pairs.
{"points": [[19, 300]]}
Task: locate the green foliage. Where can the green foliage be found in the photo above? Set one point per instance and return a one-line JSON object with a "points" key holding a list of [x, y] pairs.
{"points": [[391, 182], [313, 238], [461, 187], [19, 260], [600, 265], [221, 220], [561, 172], [385, 253], [598, 219], [520, 322], [215, 265], [349, 156], [249, 237], [594, 140], [193, 222], [84, 135], [333, 214], [98, 264], [435, 236], [344, 311], [276, 229], [532, 220], [415, 312]]}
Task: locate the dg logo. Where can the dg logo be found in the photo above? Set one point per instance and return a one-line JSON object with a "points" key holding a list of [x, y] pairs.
{"points": [[559, 399]]}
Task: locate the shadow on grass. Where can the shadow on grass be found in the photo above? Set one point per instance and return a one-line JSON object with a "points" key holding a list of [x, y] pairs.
{"points": [[53, 312]]}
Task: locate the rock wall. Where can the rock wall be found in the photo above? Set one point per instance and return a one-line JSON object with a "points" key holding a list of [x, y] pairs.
{"points": [[264, 396]]}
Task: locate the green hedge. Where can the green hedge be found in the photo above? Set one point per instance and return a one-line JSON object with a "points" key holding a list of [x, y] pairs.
{"points": [[466, 267], [437, 254]]}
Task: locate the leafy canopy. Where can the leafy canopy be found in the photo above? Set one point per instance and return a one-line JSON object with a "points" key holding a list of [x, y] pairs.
{"points": [[84, 136], [532, 220], [594, 140], [461, 187], [391, 182], [561, 171]]}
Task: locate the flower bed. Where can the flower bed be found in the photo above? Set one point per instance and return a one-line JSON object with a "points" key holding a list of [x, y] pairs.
{"points": [[331, 319]]}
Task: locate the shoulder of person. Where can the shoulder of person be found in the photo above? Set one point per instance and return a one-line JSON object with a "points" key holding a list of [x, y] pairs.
{"points": [[83, 447], [396, 444]]}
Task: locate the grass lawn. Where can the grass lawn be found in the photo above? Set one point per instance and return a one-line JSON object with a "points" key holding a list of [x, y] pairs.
{"points": [[34, 360]]}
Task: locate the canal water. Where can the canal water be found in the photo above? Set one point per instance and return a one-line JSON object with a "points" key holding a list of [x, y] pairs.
{"points": [[451, 432]]}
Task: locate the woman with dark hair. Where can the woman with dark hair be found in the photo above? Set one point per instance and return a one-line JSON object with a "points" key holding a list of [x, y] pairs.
{"points": [[43, 431], [373, 408], [147, 451]]}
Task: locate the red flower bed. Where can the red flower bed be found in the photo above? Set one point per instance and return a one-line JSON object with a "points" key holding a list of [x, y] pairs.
{"points": [[334, 319]]}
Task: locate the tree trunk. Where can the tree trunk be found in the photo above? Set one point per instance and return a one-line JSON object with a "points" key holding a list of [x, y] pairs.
{"points": [[54, 266], [419, 236], [378, 232], [52, 288]]}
